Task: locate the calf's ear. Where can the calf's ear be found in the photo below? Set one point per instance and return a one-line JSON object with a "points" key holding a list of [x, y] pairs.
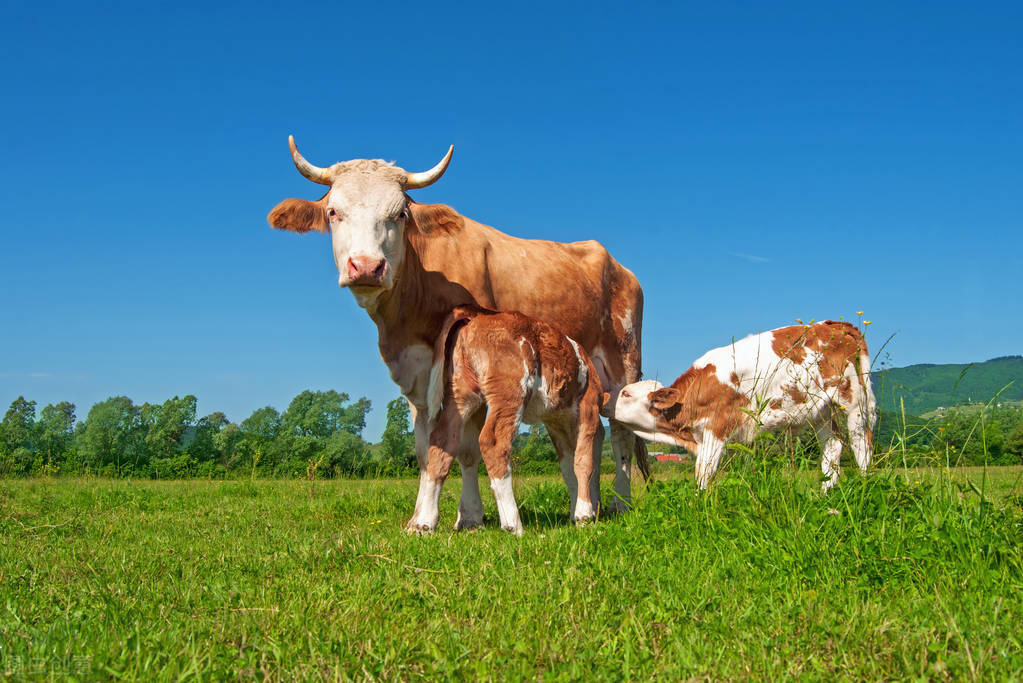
{"points": [[666, 401], [300, 215]]}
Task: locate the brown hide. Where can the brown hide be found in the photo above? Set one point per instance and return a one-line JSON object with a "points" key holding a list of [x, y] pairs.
{"points": [[452, 260]]}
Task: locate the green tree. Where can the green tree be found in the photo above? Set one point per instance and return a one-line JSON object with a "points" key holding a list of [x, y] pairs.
{"points": [[321, 414], [398, 443], [112, 439], [534, 453], [166, 424], [1014, 443], [55, 432], [17, 429], [260, 432]]}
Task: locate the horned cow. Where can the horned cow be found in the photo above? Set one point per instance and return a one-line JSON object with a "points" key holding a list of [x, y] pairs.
{"points": [[408, 265], [789, 378]]}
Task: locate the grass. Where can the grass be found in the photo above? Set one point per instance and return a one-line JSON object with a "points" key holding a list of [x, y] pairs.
{"points": [[894, 575]]}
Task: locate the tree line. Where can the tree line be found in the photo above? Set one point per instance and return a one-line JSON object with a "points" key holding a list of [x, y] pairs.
{"points": [[320, 434]]}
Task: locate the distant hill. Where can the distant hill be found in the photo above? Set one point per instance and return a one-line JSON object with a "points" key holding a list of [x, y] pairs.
{"points": [[926, 387]]}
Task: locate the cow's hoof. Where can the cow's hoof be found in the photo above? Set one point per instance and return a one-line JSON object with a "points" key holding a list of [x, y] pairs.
{"points": [[517, 530], [618, 506], [585, 521], [419, 529], [468, 524]]}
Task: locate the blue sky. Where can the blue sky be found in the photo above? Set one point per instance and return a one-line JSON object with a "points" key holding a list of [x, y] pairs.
{"points": [[752, 165]]}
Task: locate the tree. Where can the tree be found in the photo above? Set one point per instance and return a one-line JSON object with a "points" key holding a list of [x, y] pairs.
{"points": [[1014, 443], [398, 443], [113, 436], [55, 432], [534, 453], [166, 424], [321, 414], [17, 429], [259, 434]]}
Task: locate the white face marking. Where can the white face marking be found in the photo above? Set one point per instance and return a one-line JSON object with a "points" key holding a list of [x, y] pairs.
{"points": [[632, 406], [366, 214]]}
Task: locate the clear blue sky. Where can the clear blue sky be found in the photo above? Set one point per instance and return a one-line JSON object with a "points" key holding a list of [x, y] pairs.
{"points": [[750, 165]]}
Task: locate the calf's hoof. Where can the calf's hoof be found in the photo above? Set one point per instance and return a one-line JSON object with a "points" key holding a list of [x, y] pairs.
{"points": [[415, 529], [516, 530], [585, 521]]}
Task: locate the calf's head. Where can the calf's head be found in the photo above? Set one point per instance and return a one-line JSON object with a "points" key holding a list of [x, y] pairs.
{"points": [[365, 211], [652, 411]]}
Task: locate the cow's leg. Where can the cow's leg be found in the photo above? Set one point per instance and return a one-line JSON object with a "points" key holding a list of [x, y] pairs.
{"points": [[623, 443], [444, 443], [708, 456], [495, 445], [470, 504], [598, 449], [831, 455], [421, 429], [563, 445]]}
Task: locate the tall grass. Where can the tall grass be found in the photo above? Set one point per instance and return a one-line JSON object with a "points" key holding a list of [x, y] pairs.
{"points": [[897, 574]]}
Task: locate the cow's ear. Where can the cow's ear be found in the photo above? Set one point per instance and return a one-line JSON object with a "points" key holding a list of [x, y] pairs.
{"points": [[435, 218], [300, 215], [666, 401]]}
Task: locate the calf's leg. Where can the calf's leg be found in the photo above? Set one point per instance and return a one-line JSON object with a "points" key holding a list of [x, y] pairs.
{"points": [[495, 445], [470, 504], [444, 442], [708, 456], [831, 455]]}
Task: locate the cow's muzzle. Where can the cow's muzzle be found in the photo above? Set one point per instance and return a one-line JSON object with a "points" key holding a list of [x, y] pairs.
{"points": [[365, 271]]}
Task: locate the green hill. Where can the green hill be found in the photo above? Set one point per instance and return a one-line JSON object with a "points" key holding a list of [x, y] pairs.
{"points": [[926, 387]]}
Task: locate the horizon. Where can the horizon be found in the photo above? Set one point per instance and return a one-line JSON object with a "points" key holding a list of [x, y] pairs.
{"points": [[751, 166]]}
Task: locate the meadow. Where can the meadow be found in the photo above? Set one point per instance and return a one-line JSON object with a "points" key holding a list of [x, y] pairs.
{"points": [[902, 573]]}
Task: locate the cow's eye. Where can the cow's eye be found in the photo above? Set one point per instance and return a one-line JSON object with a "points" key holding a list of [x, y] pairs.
{"points": [[403, 216], [333, 215], [626, 394]]}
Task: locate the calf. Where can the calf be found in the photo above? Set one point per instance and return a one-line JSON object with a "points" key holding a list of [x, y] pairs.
{"points": [[517, 369], [792, 377]]}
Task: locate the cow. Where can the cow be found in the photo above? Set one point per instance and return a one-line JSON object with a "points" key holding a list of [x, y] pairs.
{"points": [[788, 378], [409, 264], [515, 369]]}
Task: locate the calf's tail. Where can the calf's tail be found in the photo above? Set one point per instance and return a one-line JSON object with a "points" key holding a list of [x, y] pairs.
{"points": [[441, 349]]}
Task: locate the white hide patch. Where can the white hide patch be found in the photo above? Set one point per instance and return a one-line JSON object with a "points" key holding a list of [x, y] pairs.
{"points": [[411, 372], [582, 366]]}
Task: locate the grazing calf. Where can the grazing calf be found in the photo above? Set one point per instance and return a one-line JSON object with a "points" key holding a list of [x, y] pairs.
{"points": [[792, 377], [517, 369]]}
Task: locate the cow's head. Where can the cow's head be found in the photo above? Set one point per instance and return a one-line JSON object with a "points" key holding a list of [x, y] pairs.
{"points": [[649, 410], [364, 211]]}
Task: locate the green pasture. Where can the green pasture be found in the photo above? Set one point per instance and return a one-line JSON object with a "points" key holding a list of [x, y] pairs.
{"points": [[900, 574]]}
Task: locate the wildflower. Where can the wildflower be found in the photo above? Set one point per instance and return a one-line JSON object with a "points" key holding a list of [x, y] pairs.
{"points": [[941, 429], [859, 312], [798, 320], [833, 511], [866, 322]]}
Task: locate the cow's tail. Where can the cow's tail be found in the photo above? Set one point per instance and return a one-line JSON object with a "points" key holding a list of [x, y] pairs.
{"points": [[441, 347]]}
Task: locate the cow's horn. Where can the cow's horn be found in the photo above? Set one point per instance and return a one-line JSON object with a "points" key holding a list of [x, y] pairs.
{"points": [[323, 176], [417, 180]]}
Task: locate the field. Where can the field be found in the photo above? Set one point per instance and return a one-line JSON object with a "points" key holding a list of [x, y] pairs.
{"points": [[895, 575]]}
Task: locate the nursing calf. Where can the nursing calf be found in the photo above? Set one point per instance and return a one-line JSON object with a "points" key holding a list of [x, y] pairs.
{"points": [[789, 378], [517, 369]]}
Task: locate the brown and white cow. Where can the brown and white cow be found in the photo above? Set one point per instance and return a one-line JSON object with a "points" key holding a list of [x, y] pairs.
{"points": [[789, 378], [513, 369], [410, 264]]}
